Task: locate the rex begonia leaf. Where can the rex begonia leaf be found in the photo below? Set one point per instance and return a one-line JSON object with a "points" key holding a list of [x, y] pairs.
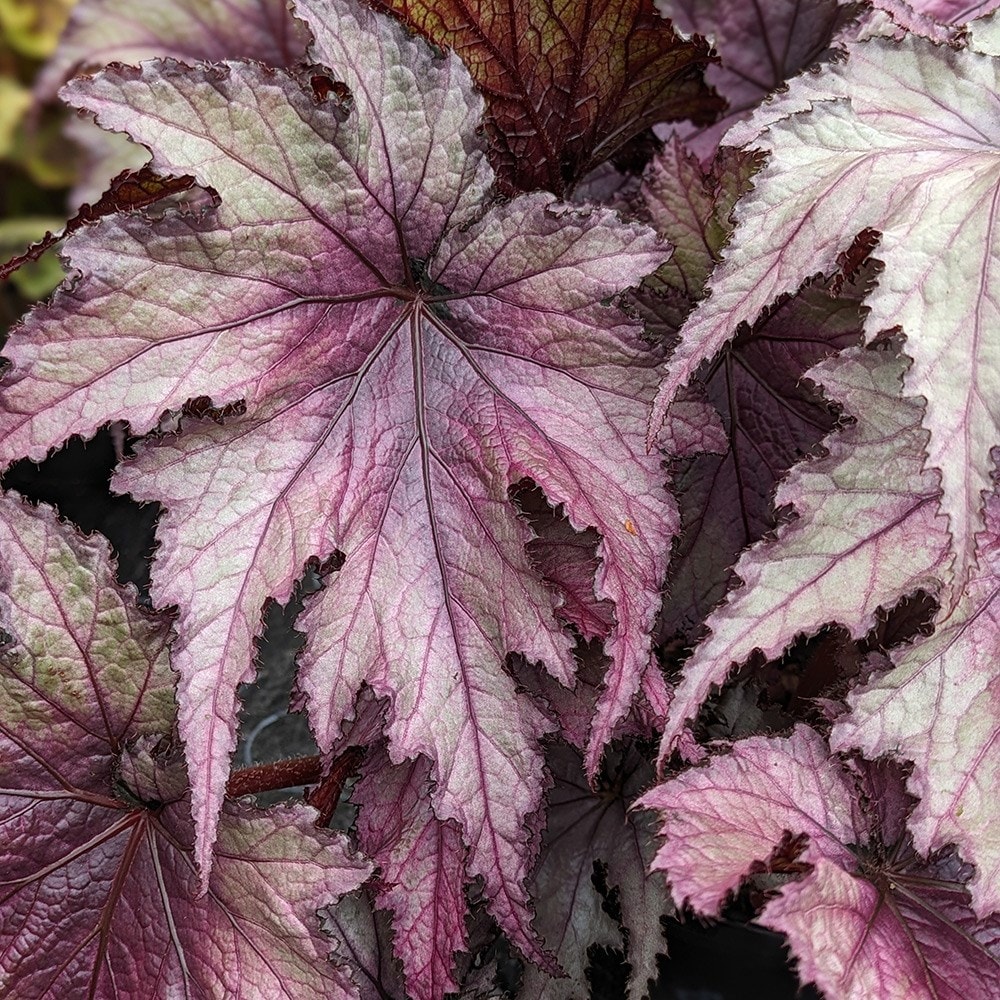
{"points": [[691, 208], [421, 870], [99, 891], [567, 85], [865, 916], [900, 138], [386, 355], [105, 31], [588, 827], [867, 533], [940, 708], [362, 939], [940, 20], [760, 45], [773, 418]]}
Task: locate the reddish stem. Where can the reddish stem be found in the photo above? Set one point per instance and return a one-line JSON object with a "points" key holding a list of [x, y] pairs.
{"points": [[271, 777], [300, 771], [325, 796]]}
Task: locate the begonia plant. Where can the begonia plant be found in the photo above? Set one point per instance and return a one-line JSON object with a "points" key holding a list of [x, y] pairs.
{"points": [[610, 392]]}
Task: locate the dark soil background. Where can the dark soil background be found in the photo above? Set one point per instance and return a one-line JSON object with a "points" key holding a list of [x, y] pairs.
{"points": [[729, 960]]}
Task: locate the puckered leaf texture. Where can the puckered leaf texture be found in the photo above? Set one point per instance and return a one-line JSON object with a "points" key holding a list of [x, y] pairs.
{"points": [[385, 355], [421, 871], [865, 916], [567, 85], [940, 20], [99, 891], [900, 138], [867, 532], [760, 46], [771, 417], [940, 708]]}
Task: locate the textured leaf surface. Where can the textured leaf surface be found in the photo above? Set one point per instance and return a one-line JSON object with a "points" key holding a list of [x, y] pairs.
{"points": [[867, 533], [567, 85], [99, 894], [567, 559], [939, 20], [385, 365], [761, 45], [421, 871], [105, 31], [691, 208], [362, 938], [866, 917], [940, 708], [586, 828], [772, 418], [901, 139]]}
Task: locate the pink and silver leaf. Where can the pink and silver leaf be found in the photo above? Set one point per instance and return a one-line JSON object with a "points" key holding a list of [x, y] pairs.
{"points": [[588, 827], [940, 708], [760, 45], [864, 915], [939, 20], [389, 351], [421, 873], [100, 32], [899, 138], [773, 418], [867, 532], [99, 892]]}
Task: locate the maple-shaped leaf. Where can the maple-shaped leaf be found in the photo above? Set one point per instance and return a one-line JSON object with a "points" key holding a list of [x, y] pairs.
{"points": [[760, 46], [105, 31], [386, 355], [864, 916], [773, 418], [867, 533], [99, 891], [567, 85], [940, 708], [587, 828], [901, 138]]}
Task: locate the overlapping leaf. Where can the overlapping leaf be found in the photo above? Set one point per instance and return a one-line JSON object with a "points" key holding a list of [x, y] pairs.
{"points": [[421, 871], [940, 707], [567, 85], [940, 20], [106, 31], [867, 533], [567, 560], [761, 45], [770, 417], [864, 916], [773, 419], [901, 138], [588, 827], [387, 357], [99, 893]]}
